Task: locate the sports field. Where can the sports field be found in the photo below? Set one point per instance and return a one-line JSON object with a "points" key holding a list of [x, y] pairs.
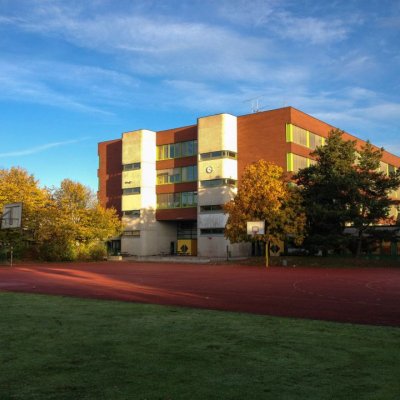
{"points": [[367, 296]]}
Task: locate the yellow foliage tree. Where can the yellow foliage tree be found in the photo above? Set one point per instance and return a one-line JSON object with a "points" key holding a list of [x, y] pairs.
{"points": [[57, 223], [264, 195], [76, 221], [17, 185]]}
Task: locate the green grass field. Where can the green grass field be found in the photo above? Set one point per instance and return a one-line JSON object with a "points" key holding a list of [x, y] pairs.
{"points": [[67, 348]]}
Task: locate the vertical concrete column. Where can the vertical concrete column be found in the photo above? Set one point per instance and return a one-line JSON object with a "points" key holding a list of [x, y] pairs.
{"points": [[139, 147], [216, 174]]}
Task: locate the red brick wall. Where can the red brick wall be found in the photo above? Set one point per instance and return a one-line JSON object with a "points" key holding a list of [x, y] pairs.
{"points": [[177, 162], [263, 136], [110, 174], [174, 135]]}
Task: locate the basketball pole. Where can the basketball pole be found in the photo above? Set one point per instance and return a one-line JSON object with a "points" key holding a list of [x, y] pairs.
{"points": [[267, 249]]}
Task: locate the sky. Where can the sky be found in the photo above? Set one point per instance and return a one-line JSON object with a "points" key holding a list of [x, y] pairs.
{"points": [[75, 73]]}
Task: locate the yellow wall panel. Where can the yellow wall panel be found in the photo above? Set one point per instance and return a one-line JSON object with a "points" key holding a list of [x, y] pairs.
{"points": [[131, 202]]}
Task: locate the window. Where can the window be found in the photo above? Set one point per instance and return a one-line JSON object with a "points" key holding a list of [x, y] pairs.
{"points": [[132, 233], [176, 175], [296, 162], [162, 177], [212, 208], [300, 136], [131, 213], [315, 141], [391, 169], [303, 137], [212, 231], [189, 173], [131, 167], [299, 162], [177, 200], [135, 190], [188, 199], [218, 182], [189, 148], [176, 150], [383, 167], [218, 154]]}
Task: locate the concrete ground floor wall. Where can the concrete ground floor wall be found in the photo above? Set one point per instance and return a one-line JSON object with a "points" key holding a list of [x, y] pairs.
{"points": [[219, 247], [154, 240], [160, 238]]}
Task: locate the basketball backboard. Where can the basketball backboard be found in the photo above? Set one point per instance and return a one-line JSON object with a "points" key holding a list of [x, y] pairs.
{"points": [[255, 228], [12, 215]]}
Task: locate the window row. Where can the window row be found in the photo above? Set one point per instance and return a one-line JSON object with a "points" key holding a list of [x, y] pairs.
{"points": [[218, 154], [212, 231], [131, 213], [135, 233], [212, 208], [190, 235], [176, 175], [177, 200], [135, 190], [218, 182], [131, 167], [176, 150], [303, 137]]}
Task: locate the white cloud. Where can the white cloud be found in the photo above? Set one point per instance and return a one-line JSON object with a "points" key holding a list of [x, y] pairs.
{"points": [[39, 149], [80, 88]]}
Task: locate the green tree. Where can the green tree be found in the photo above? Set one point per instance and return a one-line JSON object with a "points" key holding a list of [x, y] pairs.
{"points": [[371, 202], [264, 195], [325, 188], [343, 188]]}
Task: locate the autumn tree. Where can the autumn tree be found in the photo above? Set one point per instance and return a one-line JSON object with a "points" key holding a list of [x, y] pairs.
{"points": [[76, 224], [17, 185], [57, 224], [264, 195]]}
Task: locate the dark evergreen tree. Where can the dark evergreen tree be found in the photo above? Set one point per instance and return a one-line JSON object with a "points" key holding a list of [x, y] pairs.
{"points": [[344, 188]]}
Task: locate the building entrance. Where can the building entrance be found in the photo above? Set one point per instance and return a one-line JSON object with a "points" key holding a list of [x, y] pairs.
{"points": [[187, 238]]}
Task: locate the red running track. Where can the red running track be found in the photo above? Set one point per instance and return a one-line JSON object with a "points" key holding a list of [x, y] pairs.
{"points": [[365, 296]]}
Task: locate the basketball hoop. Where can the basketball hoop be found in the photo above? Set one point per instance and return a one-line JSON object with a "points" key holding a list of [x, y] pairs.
{"points": [[255, 230], [11, 217]]}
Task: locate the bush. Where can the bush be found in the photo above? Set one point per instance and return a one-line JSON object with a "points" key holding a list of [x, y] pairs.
{"points": [[57, 251], [97, 251]]}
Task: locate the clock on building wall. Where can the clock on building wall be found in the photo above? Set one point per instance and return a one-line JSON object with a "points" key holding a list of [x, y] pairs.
{"points": [[209, 169]]}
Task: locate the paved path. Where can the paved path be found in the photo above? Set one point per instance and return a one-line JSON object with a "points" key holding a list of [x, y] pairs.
{"points": [[366, 296]]}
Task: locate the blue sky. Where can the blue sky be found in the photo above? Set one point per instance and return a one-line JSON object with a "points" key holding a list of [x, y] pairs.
{"points": [[73, 73]]}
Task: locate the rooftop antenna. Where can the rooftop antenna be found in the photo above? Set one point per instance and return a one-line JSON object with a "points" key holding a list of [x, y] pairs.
{"points": [[255, 104]]}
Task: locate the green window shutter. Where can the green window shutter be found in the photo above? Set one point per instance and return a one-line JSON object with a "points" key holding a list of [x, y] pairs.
{"points": [[289, 132], [289, 162]]}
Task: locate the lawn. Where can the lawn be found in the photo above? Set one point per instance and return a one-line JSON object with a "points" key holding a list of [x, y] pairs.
{"points": [[69, 348]]}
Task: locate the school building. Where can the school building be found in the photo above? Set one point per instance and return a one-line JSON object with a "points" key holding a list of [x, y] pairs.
{"points": [[169, 186]]}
